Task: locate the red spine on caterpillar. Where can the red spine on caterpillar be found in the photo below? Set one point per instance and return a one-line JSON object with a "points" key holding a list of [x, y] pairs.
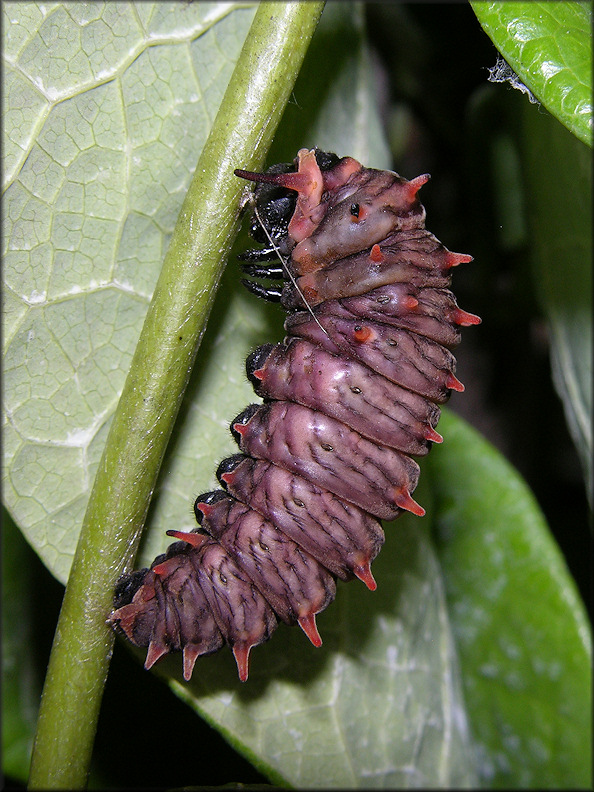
{"points": [[359, 378]]}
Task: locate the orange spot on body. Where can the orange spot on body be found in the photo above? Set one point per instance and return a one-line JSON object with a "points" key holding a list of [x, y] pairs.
{"points": [[311, 295], [358, 215], [363, 334], [410, 302]]}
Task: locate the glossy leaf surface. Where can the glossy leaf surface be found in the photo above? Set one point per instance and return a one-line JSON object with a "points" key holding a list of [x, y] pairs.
{"points": [[549, 46]]}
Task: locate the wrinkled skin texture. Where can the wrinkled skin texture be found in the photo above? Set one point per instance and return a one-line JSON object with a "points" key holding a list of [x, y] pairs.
{"points": [[350, 395]]}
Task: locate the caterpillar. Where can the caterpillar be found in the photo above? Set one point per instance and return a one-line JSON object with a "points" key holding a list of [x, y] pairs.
{"points": [[350, 396]]}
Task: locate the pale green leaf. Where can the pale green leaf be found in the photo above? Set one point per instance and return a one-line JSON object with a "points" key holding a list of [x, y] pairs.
{"points": [[94, 178]]}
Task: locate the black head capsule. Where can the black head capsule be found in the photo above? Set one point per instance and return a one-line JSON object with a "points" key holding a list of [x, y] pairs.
{"points": [[207, 499], [242, 420], [255, 361], [227, 467]]}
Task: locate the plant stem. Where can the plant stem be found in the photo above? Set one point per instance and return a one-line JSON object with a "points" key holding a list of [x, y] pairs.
{"points": [[241, 134]]}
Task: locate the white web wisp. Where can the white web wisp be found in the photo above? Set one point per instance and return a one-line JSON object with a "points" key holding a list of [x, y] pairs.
{"points": [[290, 275], [503, 72]]}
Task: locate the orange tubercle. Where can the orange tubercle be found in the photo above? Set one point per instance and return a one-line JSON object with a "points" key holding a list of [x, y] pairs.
{"points": [[190, 654], [453, 383], [453, 259], [309, 627], [155, 652], [403, 499], [414, 185], [363, 572], [164, 568], [463, 318], [241, 652], [431, 434], [376, 254], [194, 539]]}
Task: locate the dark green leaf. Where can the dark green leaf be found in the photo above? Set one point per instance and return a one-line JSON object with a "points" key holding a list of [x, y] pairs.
{"points": [[21, 686], [549, 46], [522, 633]]}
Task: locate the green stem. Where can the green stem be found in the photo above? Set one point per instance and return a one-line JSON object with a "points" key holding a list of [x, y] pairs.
{"points": [[241, 134]]}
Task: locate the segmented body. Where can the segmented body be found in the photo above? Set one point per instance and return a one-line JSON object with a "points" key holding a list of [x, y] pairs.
{"points": [[350, 396]]}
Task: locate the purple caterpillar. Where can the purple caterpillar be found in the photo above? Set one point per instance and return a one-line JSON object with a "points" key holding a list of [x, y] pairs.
{"points": [[350, 396]]}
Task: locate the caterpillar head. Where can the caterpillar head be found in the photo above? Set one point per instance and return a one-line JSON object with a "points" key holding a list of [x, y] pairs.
{"points": [[345, 209]]}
